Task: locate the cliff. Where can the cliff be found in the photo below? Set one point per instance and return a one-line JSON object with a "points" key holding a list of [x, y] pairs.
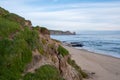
{"points": [[28, 53], [57, 32]]}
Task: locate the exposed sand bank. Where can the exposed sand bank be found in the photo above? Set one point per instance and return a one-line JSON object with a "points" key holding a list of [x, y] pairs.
{"points": [[105, 67]]}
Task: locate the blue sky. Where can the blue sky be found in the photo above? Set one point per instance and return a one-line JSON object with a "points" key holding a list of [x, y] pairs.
{"points": [[74, 15]]}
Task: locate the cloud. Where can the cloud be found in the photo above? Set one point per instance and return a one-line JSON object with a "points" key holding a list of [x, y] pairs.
{"points": [[77, 16]]}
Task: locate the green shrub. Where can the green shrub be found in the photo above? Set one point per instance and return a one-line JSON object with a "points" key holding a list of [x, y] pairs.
{"points": [[8, 28], [62, 51], [73, 64], [14, 55], [30, 36], [45, 72], [15, 18]]}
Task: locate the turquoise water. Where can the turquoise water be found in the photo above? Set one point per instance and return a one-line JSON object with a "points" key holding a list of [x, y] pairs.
{"points": [[101, 42]]}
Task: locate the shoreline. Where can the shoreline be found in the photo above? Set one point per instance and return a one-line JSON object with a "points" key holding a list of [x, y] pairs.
{"points": [[93, 52], [105, 67], [102, 54]]}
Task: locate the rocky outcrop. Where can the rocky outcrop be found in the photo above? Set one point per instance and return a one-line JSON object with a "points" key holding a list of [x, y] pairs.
{"points": [[57, 32], [76, 44]]}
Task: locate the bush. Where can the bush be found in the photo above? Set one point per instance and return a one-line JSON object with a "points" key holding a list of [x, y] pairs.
{"points": [[62, 51], [30, 36], [14, 55], [8, 28], [45, 72]]}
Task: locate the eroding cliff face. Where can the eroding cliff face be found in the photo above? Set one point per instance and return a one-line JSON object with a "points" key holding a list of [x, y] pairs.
{"points": [[53, 56]]}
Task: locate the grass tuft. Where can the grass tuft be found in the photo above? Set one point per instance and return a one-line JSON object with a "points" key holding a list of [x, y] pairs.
{"points": [[62, 51]]}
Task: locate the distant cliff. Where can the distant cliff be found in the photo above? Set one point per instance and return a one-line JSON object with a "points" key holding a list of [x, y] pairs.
{"points": [[58, 32]]}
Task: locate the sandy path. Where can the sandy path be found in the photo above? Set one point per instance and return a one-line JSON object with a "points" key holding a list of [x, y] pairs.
{"points": [[105, 67]]}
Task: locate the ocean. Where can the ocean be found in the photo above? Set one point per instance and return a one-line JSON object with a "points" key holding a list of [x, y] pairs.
{"points": [[100, 42]]}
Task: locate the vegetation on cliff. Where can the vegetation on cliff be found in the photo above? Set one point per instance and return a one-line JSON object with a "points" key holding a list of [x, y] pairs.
{"points": [[28, 53], [62, 51], [45, 72]]}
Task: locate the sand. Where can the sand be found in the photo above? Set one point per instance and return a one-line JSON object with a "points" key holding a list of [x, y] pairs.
{"points": [[105, 67]]}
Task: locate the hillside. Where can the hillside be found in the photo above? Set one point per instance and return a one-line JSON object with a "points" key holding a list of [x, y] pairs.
{"points": [[28, 53]]}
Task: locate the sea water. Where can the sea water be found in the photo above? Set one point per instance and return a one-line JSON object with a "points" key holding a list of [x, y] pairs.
{"points": [[101, 42]]}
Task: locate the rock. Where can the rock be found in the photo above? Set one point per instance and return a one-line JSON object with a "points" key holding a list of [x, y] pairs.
{"points": [[76, 44]]}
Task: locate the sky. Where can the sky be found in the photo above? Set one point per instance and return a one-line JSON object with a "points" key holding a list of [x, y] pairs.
{"points": [[73, 15]]}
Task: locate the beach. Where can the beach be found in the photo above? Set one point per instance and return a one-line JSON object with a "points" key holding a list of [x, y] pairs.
{"points": [[104, 67]]}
